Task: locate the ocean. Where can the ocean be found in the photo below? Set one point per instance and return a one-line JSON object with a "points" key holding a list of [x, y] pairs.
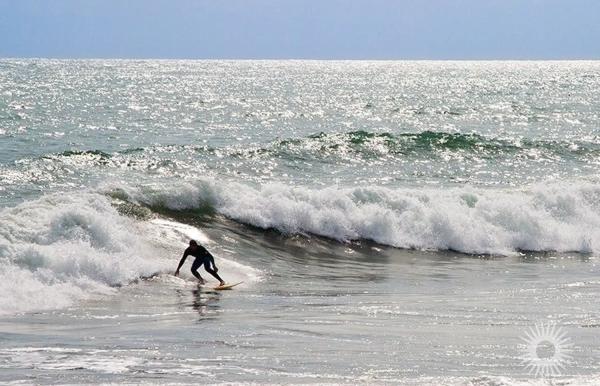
{"points": [[401, 222]]}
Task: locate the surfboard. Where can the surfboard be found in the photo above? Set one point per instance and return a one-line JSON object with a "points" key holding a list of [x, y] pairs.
{"points": [[226, 286]]}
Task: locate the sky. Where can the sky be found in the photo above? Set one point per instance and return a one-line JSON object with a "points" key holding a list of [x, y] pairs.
{"points": [[301, 29]]}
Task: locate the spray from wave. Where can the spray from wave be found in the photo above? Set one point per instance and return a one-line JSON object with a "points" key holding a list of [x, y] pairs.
{"points": [[560, 217], [63, 248]]}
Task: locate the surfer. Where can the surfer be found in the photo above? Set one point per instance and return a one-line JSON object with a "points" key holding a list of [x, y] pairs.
{"points": [[203, 257]]}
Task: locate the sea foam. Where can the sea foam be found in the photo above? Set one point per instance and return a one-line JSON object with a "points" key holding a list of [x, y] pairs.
{"points": [[551, 217], [62, 248]]}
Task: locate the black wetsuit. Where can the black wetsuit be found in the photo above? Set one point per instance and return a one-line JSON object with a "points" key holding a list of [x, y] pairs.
{"points": [[203, 257]]}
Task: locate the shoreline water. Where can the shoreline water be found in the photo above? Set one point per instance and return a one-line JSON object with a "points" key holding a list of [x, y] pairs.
{"points": [[332, 315], [371, 314]]}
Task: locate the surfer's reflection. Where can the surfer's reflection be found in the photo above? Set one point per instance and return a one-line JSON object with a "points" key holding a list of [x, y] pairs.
{"points": [[206, 302]]}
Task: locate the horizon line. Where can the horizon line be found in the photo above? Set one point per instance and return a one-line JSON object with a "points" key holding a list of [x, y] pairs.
{"points": [[581, 59]]}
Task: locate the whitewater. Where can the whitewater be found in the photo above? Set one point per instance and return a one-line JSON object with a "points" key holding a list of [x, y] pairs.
{"points": [[392, 222]]}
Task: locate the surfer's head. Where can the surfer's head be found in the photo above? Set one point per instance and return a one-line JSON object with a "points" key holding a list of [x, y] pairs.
{"points": [[193, 243]]}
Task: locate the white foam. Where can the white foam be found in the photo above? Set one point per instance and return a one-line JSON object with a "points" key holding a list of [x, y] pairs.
{"points": [[559, 217], [50, 358], [63, 248]]}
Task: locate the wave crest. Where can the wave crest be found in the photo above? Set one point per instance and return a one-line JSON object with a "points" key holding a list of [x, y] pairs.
{"points": [[62, 248], [541, 218]]}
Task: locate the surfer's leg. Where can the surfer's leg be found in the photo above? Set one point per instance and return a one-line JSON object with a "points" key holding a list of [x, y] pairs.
{"points": [[195, 267], [212, 272]]}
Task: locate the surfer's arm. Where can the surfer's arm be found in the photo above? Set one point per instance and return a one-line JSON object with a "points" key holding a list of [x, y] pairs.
{"points": [[185, 255]]}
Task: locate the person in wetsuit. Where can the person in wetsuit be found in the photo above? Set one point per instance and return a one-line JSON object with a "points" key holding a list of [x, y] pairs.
{"points": [[203, 257]]}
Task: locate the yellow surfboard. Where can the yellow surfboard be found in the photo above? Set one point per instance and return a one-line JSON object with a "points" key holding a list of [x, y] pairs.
{"points": [[226, 286]]}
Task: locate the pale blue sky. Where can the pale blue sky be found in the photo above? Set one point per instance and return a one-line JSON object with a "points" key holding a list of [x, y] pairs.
{"points": [[318, 29]]}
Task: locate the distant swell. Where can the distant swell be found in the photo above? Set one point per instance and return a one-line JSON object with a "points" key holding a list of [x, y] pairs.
{"points": [[559, 217], [362, 144], [423, 145]]}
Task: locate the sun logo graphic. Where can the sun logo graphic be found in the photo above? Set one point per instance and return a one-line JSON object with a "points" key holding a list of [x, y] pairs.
{"points": [[547, 350]]}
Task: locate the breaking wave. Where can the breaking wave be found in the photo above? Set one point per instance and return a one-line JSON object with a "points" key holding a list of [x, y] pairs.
{"points": [[561, 217], [62, 248]]}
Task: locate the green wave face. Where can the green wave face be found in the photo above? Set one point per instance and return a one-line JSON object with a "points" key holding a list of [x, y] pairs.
{"points": [[360, 144], [425, 144]]}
